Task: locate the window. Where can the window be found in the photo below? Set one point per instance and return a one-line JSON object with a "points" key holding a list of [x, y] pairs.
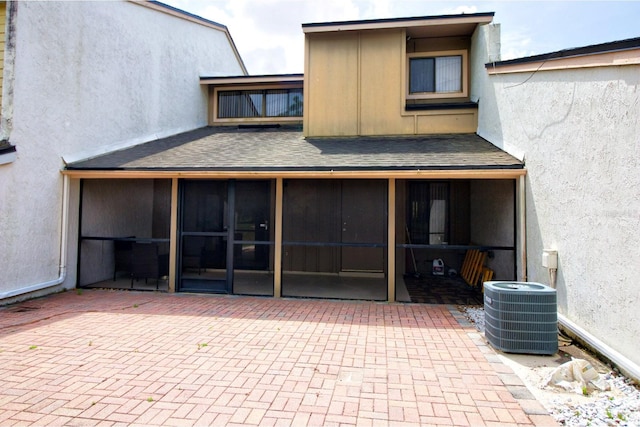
{"points": [[431, 76], [428, 219], [260, 103]]}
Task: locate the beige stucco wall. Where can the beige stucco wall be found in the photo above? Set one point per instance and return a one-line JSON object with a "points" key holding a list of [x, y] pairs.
{"points": [[579, 133], [355, 84], [88, 77]]}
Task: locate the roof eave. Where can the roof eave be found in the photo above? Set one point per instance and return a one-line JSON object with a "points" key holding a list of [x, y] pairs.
{"points": [[621, 52], [376, 24], [256, 79], [502, 172]]}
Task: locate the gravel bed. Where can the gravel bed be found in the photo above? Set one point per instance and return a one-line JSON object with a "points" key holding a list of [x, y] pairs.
{"points": [[619, 406]]}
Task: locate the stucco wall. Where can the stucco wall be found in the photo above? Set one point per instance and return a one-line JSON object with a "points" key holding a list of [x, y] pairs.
{"points": [[579, 134], [89, 77]]}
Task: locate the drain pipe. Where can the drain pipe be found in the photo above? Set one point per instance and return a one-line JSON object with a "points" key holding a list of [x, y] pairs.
{"points": [[62, 269], [625, 365]]}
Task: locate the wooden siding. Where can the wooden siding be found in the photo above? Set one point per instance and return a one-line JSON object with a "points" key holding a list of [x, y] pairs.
{"points": [[381, 83], [438, 121], [438, 44], [332, 100], [355, 84]]}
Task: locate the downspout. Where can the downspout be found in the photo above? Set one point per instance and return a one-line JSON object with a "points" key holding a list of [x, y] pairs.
{"points": [[62, 269], [625, 365]]}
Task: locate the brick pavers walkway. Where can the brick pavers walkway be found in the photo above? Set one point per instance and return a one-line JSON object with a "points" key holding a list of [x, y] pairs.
{"points": [[114, 357]]}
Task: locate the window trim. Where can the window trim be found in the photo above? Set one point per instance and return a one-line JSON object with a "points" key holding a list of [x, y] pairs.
{"points": [[213, 108], [438, 95]]}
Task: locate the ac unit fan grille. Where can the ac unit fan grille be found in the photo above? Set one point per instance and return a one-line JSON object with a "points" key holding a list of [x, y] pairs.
{"points": [[521, 317]]}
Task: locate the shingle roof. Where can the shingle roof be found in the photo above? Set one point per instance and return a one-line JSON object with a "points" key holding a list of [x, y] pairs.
{"points": [[285, 149]]}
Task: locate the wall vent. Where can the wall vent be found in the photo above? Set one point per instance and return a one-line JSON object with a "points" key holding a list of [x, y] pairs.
{"points": [[521, 317]]}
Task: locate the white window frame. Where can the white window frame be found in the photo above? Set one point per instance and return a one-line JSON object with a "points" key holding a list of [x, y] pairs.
{"points": [[436, 95]]}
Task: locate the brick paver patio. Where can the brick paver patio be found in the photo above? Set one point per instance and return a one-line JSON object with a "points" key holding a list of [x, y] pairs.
{"points": [[114, 357]]}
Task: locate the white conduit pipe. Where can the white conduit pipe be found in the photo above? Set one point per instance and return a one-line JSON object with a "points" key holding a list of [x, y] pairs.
{"points": [[62, 269], [625, 365]]}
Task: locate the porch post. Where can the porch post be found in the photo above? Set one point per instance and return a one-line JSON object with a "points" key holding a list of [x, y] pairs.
{"points": [[391, 241], [277, 255], [521, 238], [173, 235]]}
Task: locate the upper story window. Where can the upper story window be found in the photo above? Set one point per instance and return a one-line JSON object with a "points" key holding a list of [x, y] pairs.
{"points": [[437, 75], [260, 103]]}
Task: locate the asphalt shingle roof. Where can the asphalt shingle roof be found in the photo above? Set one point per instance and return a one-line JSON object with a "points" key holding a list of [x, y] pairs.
{"points": [[275, 149]]}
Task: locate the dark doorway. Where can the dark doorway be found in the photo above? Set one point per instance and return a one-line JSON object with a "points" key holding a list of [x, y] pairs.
{"points": [[364, 221], [252, 228], [334, 239], [204, 235], [253, 238], [225, 234]]}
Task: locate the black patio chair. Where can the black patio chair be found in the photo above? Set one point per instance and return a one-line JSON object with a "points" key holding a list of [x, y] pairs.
{"points": [[145, 262], [122, 256], [193, 253]]}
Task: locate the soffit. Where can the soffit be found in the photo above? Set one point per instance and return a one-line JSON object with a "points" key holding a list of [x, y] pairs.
{"points": [[286, 149], [253, 80]]}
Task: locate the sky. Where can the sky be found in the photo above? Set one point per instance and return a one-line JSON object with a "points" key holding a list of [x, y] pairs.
{"points": [[269, 37]]}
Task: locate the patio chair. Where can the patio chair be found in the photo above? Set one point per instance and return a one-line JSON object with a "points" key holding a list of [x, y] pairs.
{"points": [[122, 256], [145, 262], [193, 253]]}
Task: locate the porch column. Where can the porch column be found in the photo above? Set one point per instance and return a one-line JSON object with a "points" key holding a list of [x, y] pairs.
{"points": [[173, 236], [277, 253], [391, 241], [521, 238]]}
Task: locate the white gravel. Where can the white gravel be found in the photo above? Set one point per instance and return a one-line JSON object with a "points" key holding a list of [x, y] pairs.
{"points": [[619, 406]]}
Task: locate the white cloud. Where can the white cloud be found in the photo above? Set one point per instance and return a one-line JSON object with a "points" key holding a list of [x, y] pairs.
{"points": [[270, 27], [515, 44], [460, 9]]}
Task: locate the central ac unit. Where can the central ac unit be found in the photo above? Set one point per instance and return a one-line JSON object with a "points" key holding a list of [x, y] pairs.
{"points": [[521, 317]]}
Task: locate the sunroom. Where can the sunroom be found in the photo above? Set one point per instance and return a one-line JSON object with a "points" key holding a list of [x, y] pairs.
{"points": [[262, 210]]}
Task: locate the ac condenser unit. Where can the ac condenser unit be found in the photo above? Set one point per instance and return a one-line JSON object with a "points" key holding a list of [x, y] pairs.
{"points": [[521, 317]]}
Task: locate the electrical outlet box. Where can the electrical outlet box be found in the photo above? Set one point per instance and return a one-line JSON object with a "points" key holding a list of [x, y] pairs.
{"points": [[549, 258]]}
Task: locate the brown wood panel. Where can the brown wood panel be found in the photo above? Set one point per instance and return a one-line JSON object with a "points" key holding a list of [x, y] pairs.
{"points": [[364, 220], [459, 121], [331, 81], [310, 214], [381, 81]]}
